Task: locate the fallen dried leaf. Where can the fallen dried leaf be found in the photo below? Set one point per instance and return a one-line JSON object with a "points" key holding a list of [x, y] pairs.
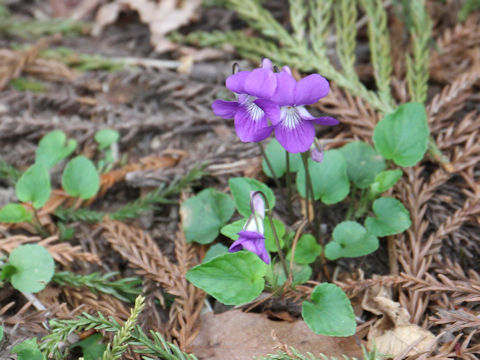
{"points": [[161, 16], [394, 335]]}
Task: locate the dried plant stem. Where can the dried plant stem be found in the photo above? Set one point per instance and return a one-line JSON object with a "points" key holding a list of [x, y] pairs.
{"points": [[269, 164], [289, 185]]}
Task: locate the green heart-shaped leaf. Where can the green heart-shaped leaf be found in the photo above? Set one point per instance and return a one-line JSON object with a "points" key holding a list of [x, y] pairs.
{"points": [[329, 312], [363, 163], [14, 213], [204, 214], [307, 250], [350, 239], [241, 187], [80, 178], [402, 136], [34, 186], [276, 154], [233, 278], [391, 217], [53, 148], [329, 178], [34, 267]]}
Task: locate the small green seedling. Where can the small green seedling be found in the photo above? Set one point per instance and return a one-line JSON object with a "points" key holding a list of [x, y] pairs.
{"points": [[34, 186], [80, 178], [29, 269], [106, 138], [350, 239], [53, 148]]}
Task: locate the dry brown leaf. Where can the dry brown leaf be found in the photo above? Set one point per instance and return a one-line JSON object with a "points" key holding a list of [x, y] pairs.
{"points": [[394, 335], [236, 335], [161, 16]]}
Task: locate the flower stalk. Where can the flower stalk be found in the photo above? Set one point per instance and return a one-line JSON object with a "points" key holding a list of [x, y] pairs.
{"points": [[310, 194], [269, 165], [289, 185]]}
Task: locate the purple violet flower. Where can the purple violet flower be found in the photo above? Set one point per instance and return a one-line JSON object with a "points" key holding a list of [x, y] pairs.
{"points": [[294, 128], [253, 107], [251, 237]]}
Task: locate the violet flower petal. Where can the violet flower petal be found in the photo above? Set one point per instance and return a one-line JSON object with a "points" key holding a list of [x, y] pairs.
{"points": [[267, 64], [262, 133], [296, 139], [325, 120], [236, 82], [249, 118], [269, 107], [260, 83], [225, 109], [253, 242], [258, 203], [311, 89], [285, 92]]}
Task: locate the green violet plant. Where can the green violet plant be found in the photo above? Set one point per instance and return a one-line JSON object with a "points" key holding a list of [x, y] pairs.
{"points": [[269, 101]]}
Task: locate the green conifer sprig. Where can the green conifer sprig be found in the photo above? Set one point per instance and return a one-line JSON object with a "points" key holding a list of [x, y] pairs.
{"points": [[318, 23], [294, 354], [380, 51], [134, 209], [61, 329], [298, 15], [158, 347], [345, 16], [119, 343], [125, 289], [418, 63]]}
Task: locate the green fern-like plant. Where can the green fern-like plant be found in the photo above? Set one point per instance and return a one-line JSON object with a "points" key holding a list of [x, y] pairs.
{"points": [[150, 348]]}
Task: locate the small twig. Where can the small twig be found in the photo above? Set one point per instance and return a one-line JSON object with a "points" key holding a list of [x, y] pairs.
{"points": [[294, 247]]}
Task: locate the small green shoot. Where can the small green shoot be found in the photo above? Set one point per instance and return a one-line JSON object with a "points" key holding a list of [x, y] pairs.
{"points": [[29, 269], [80, 178], [53, 148], [34, 186], [391, 217], [350, 239], [14, 213]]}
